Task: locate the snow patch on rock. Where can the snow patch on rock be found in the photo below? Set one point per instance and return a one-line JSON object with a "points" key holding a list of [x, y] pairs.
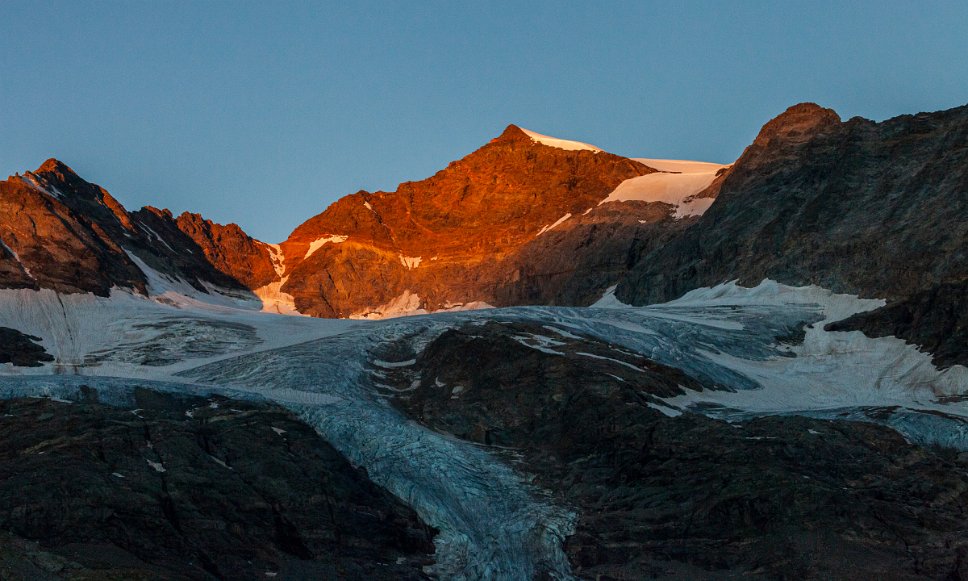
{"points": [[177, 291], [320, 242], [410, 262], [557, 223], [152, 235], [276, 301], [408, 303], [277, 257], [31, 180], [609, 300], [16, 257]]}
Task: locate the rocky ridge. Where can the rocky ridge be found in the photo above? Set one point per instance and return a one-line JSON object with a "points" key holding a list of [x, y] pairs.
{"points": [[471, 232], [518, 221], [873, 209], [855, 206], [63, 233]]}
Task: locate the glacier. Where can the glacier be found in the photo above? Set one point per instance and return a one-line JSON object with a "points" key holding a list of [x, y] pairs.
{"points": [[763, 349]]}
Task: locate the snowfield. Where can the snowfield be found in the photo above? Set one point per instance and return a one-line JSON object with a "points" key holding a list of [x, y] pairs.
{"points": [[765, 347], [676, 184]]}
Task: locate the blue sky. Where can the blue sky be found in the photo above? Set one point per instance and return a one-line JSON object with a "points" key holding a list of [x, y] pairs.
{"points": [[263, 113]]}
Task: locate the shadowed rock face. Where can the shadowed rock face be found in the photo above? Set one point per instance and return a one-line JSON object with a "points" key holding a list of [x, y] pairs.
{"points": [[474, 226], [869, 208], [875, 209], [21, 350], [935, 319], [689, 497], [189, 488], [574, 263]]}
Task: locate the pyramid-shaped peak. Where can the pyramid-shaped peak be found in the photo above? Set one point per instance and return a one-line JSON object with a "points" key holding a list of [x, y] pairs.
{"points": [[55, 166], [513, 132], [516, 133]]}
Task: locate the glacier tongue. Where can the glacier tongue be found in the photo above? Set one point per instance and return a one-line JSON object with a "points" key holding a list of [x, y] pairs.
{"points": [[492, 524]]}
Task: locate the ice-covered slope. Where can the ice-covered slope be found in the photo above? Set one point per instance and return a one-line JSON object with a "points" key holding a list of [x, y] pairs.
{"points": [[130, 335], [493, 525], [677, 183]]}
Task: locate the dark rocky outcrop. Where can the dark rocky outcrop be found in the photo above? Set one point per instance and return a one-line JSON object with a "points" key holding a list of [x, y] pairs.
{"points": [[574, 263], [869, 208], [690, 497], [172, 252], [190, 488], [935, 319], [21, 350], [874, 209]]}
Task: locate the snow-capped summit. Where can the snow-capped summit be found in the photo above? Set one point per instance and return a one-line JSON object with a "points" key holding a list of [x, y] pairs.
{"points": [[475, 232], [499, 226], [565, 144]]}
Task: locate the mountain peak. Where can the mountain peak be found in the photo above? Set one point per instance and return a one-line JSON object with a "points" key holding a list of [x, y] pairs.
{"points": [[60, 169], [798, 123], [512, 133], [515, 133]]}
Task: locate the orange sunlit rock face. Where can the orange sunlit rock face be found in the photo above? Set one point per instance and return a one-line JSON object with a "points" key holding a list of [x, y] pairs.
{"points": [[63, 233], [230, 250], [516, 222], [458, 235]]}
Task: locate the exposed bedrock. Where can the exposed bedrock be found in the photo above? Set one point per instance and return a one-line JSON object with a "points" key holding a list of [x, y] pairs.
{"points": [[190, 488], [688, 496]]}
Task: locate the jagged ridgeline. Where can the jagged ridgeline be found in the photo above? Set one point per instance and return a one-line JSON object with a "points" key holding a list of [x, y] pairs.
{"points": [[526, 219], [709, 371]]}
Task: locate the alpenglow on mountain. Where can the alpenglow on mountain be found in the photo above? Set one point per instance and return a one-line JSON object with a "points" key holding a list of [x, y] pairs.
{"points": [[545, 361]]}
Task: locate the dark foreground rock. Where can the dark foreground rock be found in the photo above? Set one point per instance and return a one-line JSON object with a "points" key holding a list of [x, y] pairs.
{"points": [[190, 489], [691, 497], [21, 350]]}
